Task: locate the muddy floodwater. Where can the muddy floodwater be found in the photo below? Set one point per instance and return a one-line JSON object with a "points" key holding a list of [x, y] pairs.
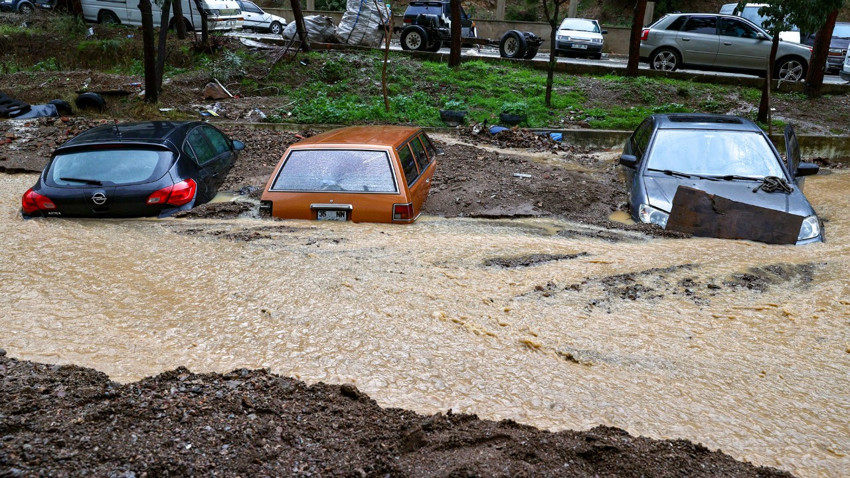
{"points": [[737, 345]]}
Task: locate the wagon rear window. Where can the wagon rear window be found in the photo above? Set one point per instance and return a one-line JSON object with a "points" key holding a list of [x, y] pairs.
{"points": [[111, 166], [336, 170]]}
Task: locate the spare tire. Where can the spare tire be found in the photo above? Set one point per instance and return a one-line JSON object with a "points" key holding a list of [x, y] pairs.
{"points": [[90, 100], [414, 38], [512, 45]]}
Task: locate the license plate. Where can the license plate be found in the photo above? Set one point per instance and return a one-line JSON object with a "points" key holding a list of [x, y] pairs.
{"points": [[579, 47], [230, 23], [331, 215]]}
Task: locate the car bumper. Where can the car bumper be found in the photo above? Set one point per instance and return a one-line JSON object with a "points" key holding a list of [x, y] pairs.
{"points": [[844, 75], [578, 47], [834, 64]]}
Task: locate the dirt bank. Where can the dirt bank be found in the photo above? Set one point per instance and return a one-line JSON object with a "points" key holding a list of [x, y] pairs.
{"points": [[68, 420]]}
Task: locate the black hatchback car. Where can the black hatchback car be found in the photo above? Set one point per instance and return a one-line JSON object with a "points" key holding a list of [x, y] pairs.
{"points": [[132, 170], [674, 161]]}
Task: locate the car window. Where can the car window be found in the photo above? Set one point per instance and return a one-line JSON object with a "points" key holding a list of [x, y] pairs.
{"points": [[704, 25], [408, 164], [204, 151], [732, 27], [640, 140], [336, 170], [217, 139], [429, 146], [419, 152], [578, 24], [714, 153], [676, 25], [108, 166], [250, 7]]}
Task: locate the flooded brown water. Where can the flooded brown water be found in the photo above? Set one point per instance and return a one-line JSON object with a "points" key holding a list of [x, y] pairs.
{"points": [[737, 345]]}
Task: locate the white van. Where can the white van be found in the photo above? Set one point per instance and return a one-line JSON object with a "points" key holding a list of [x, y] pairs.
{"points": [[221, 14], [751, 13]]}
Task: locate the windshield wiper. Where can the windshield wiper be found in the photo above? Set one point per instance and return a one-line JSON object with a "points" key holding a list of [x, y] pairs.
{"points": [[92, 182], [679, 174], [733, 177]]}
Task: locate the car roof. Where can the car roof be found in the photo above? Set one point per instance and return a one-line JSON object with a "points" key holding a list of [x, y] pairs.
{"points": [[704, 121], [363, 136], [154, 132]]}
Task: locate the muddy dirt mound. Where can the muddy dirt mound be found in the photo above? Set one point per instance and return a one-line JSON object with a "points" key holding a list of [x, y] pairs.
{"points": [[69, 420]]}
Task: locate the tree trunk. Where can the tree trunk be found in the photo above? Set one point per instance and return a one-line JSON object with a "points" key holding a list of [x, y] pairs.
{"points": [[817, 64], [454, 51], [764, 106], [163, 35], [553, 24], [151, 94], [179, 24], [388, 31], [299, 25], [205, 31], [634, 39]]}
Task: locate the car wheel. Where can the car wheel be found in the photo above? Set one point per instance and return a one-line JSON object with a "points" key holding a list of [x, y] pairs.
{"points": [[512, 45], [596, 56], [276, 28], [25, 8], [530, 53], [435, 47], [665, 59], [414, 38], [108, 16], [790, 69]]}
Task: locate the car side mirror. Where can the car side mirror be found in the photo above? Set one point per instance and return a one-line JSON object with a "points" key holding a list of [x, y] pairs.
{"points": [[628, 160], [761, 36], [604, 32], [807, 169], [238, 145], [440, 152]]}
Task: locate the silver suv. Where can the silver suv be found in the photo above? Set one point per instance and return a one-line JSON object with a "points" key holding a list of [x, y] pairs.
{"points": [[719, 42]]}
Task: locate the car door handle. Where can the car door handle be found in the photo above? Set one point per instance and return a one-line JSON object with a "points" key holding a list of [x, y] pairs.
{"points": [[727, 43], [686, 39], [428, 181]]}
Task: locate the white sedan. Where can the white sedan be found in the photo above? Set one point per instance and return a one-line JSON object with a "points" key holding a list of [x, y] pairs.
{"points": [[257, 19]]}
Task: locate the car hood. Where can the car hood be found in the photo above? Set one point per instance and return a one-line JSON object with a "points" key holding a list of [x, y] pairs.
{"points": [[580, 34], [661, 189]]}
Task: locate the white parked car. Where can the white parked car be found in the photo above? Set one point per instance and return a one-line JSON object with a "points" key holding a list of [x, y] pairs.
{"points": [[845, 69], [751, 13], [580, 37], [256, 19]]}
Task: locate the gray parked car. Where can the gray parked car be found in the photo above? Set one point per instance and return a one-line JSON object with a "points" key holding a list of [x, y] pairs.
{"points": [[719, 42]]}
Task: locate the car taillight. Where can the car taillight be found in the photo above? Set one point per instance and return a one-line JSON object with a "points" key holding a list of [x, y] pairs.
{"points": [[407, 20], [403, 212], [644, 35], [177, 195], [33, 201]]}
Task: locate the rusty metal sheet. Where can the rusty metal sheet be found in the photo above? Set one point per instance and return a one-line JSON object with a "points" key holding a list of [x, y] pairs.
{"points": [[707, 215]]}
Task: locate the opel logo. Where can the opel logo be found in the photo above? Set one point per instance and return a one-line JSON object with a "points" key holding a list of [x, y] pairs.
{"points": [[98, 198]]}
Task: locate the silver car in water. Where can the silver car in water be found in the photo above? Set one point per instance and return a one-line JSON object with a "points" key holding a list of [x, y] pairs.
{"points": [[719, 42]]}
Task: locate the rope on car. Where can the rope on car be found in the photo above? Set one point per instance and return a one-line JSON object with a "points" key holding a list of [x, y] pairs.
{"points": [[772, 184]]}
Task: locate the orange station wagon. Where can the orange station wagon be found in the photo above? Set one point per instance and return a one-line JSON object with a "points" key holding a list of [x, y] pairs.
{"points": [[359, 173]]}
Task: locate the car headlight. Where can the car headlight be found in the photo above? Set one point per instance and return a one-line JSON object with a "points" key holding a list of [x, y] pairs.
{"points": [[596, 40], [211, 11], [650, 215], [810, 228], [563, 38]]}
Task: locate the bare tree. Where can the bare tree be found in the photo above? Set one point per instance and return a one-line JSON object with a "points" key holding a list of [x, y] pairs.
{"points": [[205, 31], [163, 35], [814, 78], [179, 24], [454, 52], [552, 17], [387, 23], [634, 39], [151, 84]]}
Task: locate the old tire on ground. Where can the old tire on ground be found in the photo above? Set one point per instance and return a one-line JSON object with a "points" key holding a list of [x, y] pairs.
{"points": [[664, 59], [790, 69], [512, 45], [90, 100], [414, 38], [108, 16], [62, 106], [275, 28]]}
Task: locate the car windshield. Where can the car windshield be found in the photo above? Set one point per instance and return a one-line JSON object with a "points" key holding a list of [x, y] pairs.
{"points": [[579, 25], [713, 153], [336, 170], [108, 166], [841, 31]]}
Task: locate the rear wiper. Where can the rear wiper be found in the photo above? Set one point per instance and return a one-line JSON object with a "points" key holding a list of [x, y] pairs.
{"points": [[678, 174], [93, 182]]}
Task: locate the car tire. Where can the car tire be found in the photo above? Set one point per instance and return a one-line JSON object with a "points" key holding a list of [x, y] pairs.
{"points": [[790, 69], [108, 16], [90, 100], [530, 53], [25, 8], [512, 45], [414, 38], [276, 28], [665, 59], [435, 47], [596, 56]]}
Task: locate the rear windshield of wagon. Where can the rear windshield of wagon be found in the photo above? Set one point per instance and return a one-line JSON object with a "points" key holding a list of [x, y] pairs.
{"points": [[341, 170]]}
